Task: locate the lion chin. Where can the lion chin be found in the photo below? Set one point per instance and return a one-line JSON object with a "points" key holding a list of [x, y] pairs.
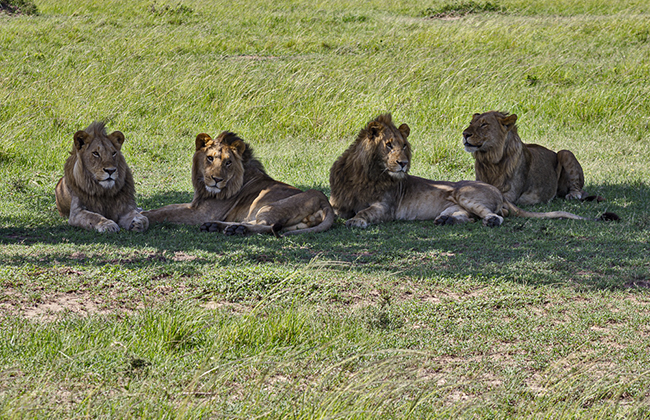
{"points": [[397, 174], [107, 183], [213, 190], [470, 148]]}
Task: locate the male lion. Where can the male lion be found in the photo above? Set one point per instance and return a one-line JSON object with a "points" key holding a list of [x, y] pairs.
{"points": [[370, 184], [233, 193], [97, 191], [525, 173]]}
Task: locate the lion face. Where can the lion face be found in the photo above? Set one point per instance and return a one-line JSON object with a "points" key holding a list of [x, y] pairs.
{"points": [[99, 159], [218, 164], [392, 147], [487, 131]]}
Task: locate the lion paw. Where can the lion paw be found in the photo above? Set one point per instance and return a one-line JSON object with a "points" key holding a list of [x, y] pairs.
{"points": [[139, 223], [574, 195], [235, 230], [444, 220], [107, 226], [493, 221], [210, 227], [356, 223]]}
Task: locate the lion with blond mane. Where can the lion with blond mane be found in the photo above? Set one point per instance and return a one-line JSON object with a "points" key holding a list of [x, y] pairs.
{"points": [[97, 190], [525, 173], [234, 194], [370, 184]]}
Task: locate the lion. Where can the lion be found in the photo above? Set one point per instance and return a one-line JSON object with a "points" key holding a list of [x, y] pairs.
{"points": [[97, 190], [370, 184], [234, 194], [526, 174]]}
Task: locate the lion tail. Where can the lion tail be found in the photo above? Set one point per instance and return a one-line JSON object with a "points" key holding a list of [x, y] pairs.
{"points": [[325, 224], [511, 208]]}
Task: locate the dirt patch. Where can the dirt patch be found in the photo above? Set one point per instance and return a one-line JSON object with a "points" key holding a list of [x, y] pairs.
{"points": [[181, 256], [51, 307]]}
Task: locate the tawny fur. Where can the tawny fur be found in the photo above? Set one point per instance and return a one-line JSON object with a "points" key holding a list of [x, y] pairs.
{"points": [[233, 193], [370, 184], [525, 173], [80, 195]]}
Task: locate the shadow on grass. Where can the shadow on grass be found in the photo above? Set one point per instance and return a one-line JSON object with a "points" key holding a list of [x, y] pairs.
{"points": [[163, 199], [564, 252]]}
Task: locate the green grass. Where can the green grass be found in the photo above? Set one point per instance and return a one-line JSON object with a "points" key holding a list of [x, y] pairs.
{"points": [[536, 319]]}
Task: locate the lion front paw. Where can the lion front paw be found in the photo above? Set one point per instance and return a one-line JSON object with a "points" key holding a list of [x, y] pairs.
{"points": [[356, 223], [575, 195], [107, 226], [139, 223], [235, 230]]}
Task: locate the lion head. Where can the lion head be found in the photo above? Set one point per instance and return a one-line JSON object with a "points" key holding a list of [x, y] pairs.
{"points": [[219, 165], [487, 134], [96, 164], [384, 148]]}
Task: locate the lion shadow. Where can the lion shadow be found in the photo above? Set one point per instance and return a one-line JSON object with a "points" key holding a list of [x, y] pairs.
{"points": [[522, 250]]}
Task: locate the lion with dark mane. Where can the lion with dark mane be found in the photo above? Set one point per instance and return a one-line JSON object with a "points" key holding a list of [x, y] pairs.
{"points": [[525, 173], [97, 190], [370, 184], [234, 194]]}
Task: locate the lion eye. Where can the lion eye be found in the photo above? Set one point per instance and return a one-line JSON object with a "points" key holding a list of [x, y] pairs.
{"points": [[484, 125], [210, 159], [114, 154], [389, 145], [96, 154], [228, 163]]}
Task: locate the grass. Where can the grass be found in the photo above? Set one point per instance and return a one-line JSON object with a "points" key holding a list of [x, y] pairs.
{"points": [[536, 319]]}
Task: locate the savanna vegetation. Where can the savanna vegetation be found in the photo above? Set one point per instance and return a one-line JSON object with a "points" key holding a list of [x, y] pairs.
{"points": [[535, 319]]}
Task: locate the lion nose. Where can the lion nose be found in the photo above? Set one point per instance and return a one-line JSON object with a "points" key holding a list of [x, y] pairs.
{"points": [[110, 171], [467, 135], [403, 163], [216, 179]]}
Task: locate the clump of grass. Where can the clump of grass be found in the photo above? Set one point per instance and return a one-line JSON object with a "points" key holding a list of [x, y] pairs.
{"points": [[18, 7], [166, 9], [461, 8]]}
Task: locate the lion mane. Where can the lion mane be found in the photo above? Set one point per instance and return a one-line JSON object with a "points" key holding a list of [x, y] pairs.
{"points": [[97, 190], [370, 184], [525, 173], [234, 194]]}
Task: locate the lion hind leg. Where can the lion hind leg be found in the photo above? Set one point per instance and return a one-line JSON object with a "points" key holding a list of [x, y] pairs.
{"points": [[453, 215], [485, 212], [307, 210], [571, 177]]}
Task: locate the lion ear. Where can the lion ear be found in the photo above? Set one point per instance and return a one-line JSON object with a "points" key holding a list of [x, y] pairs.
{"points": [[239, 146], [405, 130], [203, 140], [117, 138], [80, 139], [509, 121], [374, 129]]}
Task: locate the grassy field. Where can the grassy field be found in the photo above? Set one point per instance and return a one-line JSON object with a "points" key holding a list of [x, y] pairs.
{"points": [[535, 319]]}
